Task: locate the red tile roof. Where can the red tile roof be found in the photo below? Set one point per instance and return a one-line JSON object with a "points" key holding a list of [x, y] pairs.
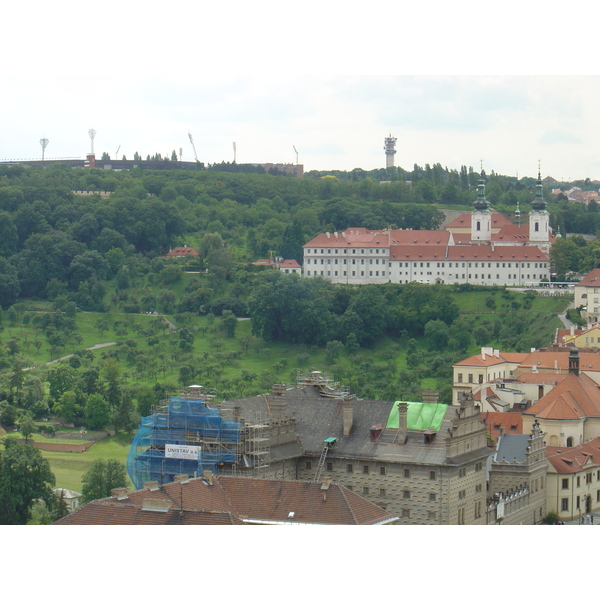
{"points": [[574, 460], [183, 251], [233, 500], [289, 264], [575, 397], [511, 421], [464, 221], [592, 279], [490, 361]]}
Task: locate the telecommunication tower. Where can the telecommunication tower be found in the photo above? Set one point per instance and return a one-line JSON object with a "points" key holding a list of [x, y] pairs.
{"points": [[390, 150], [44, 143], [92, 135]]}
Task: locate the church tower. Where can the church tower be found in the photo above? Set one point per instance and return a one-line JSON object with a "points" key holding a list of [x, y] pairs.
{"points": [[539, 230], [481, 219]]}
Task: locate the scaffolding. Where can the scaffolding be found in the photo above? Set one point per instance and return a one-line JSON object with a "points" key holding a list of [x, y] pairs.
{"points": [[256, 452], [324, 382], [183, 435]]}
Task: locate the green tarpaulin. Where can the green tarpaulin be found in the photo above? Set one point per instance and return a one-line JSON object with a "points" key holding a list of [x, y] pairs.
{"points": [[420, 416]]}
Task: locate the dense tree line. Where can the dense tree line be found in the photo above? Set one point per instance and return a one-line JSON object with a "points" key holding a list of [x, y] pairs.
{"points": [[315, 311]]}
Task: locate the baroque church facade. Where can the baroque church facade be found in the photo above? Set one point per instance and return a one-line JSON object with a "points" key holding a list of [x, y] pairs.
{"points": [[480, 248]]}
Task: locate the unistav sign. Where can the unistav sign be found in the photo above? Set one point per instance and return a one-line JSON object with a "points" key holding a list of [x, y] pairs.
{"points": [[182, 452]]}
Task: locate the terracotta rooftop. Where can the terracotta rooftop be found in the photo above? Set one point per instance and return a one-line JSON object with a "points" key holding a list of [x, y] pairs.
{"points": [[183, 251], [592, 279], [464, 221], [575, 397], [235, 501], [574, 460], [489, 361]]}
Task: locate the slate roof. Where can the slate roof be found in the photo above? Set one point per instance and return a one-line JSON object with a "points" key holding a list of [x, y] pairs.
{"points": [[234, 501], [512, 447], [319, 417]]}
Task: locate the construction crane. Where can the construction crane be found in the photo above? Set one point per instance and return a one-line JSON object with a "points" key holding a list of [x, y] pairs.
{"points": [[194, 147], [296, 151]]}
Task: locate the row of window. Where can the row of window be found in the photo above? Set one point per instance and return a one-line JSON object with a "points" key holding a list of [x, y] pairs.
{"points": [[588, 479], [344, 261], [564, 502], [345, 274], [349, 468], [347, 251]]}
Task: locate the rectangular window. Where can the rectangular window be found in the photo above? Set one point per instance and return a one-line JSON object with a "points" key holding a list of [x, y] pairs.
{"points": [[365, 491], [382, 492], [382, 470], [462, 472], [308, 465], [406, 512], [366, 469], [406, 473], [431, 497], [349, 469], [330, 466], [406, 494], [432, 475], [460, 377]]}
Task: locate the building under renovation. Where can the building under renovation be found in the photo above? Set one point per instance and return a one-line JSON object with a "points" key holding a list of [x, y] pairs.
{"points": [[422, 461]]}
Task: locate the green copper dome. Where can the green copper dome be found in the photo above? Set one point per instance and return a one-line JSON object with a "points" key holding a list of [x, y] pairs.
{"points": [[481, 204]]}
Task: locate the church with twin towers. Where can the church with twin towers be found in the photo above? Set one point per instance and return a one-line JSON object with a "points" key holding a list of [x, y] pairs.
{"points": [[481, 248]]}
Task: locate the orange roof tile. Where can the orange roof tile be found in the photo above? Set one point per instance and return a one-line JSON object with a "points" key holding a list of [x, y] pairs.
{"points": [[574, 460], [592, 279], [575, 397]]}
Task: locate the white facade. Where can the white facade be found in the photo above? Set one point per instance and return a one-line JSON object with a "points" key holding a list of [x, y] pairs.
{"points": [[359, 256]]}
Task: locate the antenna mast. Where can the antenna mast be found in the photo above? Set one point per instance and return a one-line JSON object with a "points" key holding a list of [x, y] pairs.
{"points": [[234, 152], [44, 143], [390, 150], [193, 147], [92, 135]]}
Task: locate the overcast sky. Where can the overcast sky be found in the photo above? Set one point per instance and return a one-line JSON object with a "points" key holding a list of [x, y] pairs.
{"points": [[332, 79]]}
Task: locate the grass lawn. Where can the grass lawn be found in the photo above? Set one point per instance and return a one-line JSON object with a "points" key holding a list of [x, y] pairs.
{"points": [[68, 467]]}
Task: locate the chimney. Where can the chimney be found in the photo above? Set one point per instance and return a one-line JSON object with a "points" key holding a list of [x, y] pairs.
{"points": [[182, 478], [156, 505], [151, 486], [119, 493], [348, 408], [429, 396], [208, 476], [574, 360], [278, 403], [402, 422], [375, 432], [326, 482]]}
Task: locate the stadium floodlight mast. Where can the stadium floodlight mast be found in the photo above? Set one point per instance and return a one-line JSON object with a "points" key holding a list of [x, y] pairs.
{"points": [[92, 135], [44, 143]]}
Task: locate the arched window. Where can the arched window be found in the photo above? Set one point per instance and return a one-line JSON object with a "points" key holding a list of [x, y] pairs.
{"points": [[478, 225], [569, 442], [537, 226]]}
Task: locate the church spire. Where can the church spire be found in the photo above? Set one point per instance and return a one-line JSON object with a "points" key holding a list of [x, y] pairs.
{"points": [[539, 204], [481, 204]]}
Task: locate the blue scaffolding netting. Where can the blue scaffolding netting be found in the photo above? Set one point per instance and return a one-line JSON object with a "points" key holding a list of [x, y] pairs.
{"points": [[187, 427]]}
